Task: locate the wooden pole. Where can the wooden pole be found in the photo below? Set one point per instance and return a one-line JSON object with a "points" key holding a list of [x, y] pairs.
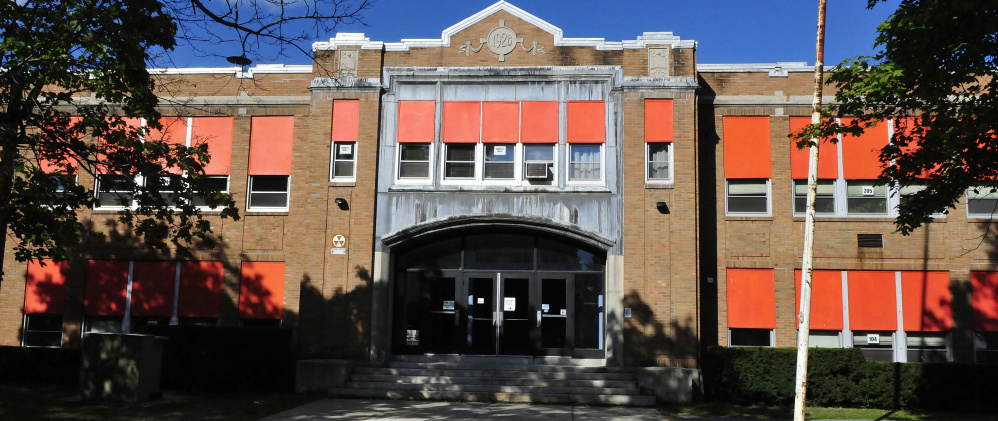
{"points": [[804, 318]]}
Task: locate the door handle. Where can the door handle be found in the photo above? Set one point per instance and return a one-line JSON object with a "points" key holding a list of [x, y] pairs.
{"points": [[538, 318]]}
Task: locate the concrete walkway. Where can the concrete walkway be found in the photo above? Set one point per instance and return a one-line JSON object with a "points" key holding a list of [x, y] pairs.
{"points": [[370, 409]]}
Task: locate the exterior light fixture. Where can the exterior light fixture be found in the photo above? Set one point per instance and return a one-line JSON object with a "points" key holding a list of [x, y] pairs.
{"points": [[342, 203], [662, 208]]}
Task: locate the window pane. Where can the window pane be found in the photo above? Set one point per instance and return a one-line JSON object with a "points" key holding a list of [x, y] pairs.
{"points": [[460, 152], [585, 171], [344, 150], [460, 170], [585, 153], [538, 152], [908, 190], [819, 339], [208, 186], [871, 205], [750, 337], [499, 252], [500, 153], [856, 188], [821, 204], [270, 200], [982, 206], [269, 183], [499, 171], [746, 187], [747, 204], [982, 192], [658, 170], [44, 322], [343, 169], [414, 169], [658, 151], [555, 255], [415, 152]]}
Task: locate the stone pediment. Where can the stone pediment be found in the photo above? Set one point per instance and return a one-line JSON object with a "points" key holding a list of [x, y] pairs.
{"points": [[480, 28]]}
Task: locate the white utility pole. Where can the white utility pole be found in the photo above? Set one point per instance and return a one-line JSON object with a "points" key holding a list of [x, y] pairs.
{"points": [[804, 318]]}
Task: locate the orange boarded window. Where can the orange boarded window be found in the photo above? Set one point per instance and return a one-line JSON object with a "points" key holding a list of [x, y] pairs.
{"points": [[152, 288], [416, 121], [270, 145], [539, 122], [217, 132], [346, 120], [200, 289], [104, 292], [872, 300], [45, 289], [751, 299], [501, 122], [985, 300], [586, 122], [907, 126], [746, 147], [828, 155], [104, 147], [462, 122], [861, 155], [926, 301], [174, 132], [826, 299], [51, 159], [658, 120], [261, 290]]}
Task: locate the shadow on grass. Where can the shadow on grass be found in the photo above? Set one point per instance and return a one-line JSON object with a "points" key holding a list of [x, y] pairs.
{"points": [[63, 403]]}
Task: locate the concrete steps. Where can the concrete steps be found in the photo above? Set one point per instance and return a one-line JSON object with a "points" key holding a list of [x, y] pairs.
{"points": [[492, 380]]}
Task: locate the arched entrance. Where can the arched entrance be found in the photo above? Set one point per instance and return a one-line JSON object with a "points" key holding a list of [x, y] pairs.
{"points": [[499, 293]]}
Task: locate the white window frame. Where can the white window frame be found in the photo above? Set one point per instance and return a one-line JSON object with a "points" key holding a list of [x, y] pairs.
{"points": [[249, 195], [116, 206], [517, 164], [585, 182], [888, 193], [983, 193], [226, 190], [25, 332], [947, 341], [430, 168], [648, 155], [769, 198], [772, 338], [835, 197], [335, 145], [477, 161], [552, 165]]}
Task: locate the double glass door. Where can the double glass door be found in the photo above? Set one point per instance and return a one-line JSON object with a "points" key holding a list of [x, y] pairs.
{"points": [[505, 313]]}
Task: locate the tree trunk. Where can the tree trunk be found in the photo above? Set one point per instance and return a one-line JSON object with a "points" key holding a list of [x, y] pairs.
{"points": [[804, 319]]}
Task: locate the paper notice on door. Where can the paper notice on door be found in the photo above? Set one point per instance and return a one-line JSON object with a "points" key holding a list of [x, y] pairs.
{"points": [[545, 307], [509, 304], [564, 312], [448, 305], [481, 300]]}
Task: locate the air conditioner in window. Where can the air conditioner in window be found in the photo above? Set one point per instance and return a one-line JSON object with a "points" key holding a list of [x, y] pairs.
{"points": [[537, 170]]}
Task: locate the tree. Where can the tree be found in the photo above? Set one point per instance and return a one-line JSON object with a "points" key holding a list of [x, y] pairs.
{"points": [[936, 77], [73, 86]]}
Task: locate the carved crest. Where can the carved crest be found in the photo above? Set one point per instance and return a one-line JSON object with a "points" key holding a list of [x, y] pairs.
{"points": [[501, 40]]}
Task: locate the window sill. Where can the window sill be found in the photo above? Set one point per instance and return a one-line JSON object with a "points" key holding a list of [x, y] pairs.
{"points": [[266, 212], [343, 183], [499, 189], [661, 185], [748, 218]]}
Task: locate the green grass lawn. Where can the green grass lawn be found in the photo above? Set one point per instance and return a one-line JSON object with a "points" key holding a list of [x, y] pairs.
{"points": [[713, 410], [61, 403]]}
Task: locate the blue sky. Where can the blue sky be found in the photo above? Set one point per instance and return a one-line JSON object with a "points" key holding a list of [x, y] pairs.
{"points": [[728, 31]]}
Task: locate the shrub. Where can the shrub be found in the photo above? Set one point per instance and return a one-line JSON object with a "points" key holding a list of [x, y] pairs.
{"points": [[842, 377], [39, 365]]}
